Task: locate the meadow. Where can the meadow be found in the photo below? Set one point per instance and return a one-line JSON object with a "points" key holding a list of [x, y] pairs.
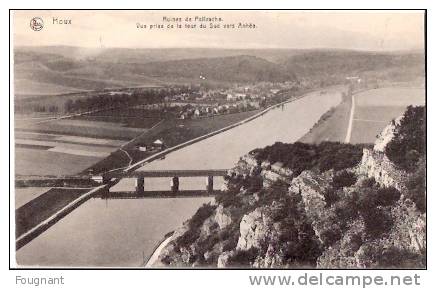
{"points": [[375, 108]]}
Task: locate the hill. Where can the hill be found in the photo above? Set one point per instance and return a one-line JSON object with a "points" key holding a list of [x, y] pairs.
{"points": [[298, 206], [57, 69]]}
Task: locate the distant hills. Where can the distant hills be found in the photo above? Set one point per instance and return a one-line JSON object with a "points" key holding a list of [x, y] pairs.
{"points": [[63, 69]]}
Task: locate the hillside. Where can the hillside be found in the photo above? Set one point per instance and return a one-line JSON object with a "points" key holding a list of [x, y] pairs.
{"points": [[332, 64], [63, 69], [330, 205]]}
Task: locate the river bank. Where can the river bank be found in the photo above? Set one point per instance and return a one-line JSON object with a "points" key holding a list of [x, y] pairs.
{"points": [[156, 252]]}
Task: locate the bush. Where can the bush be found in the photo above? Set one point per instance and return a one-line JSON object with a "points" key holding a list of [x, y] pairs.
{"points": [[300, 156], [243, 258], [416, 186], [373, 197], [395, 258], [377, 222], [387, 196], [194, 224], [201, 215], [409, 142], [344, 179], [330, 196]]}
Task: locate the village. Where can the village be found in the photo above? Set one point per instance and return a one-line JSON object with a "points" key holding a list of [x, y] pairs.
{"points": [[206, 102]]}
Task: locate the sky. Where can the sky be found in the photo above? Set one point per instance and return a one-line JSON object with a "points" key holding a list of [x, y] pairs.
{"points": [[361, 30]]}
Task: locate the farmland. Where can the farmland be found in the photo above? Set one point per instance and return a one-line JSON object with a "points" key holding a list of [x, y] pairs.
{"points": [[172, 132], [376, 107], [50, 153]]}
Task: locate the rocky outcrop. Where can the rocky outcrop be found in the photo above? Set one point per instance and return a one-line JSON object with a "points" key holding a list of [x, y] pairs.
{"points": [[254, 228], [222, 217], [223, 259], [409, 230], [386, 135], [311, 187], [248, 165], [375, 164], [311, 214]]}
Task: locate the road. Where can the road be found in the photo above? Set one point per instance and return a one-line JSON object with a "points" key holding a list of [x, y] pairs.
{"points": [[350, 121]]}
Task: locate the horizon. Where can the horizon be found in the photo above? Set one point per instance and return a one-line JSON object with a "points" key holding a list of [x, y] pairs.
{"points": [[409, 50]]}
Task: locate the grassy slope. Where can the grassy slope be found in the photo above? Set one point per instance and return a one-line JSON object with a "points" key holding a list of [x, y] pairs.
{"points": [[333, 127]]}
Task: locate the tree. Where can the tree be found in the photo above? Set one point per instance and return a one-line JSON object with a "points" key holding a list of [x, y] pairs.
{"points": [[409, 142]]}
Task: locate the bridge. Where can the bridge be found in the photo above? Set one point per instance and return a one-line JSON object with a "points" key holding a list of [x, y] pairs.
{"points": [[175, 175]]}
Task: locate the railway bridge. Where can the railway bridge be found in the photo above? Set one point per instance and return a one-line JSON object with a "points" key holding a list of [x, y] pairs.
{"points": [[175, 175]]}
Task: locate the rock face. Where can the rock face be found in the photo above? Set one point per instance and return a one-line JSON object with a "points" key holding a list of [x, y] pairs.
{"points": [[223, 259], [311, 186], [254, 228], [249, 166], [409, 228], [222, 217], [386, 135], [376, 164]]}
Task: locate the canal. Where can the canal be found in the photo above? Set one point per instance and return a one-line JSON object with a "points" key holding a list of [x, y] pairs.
{"points": [[119, 233]]}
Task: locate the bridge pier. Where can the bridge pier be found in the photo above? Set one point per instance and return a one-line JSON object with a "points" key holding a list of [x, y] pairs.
{"points": [[209, 184], [175, 184], [139, 185]]}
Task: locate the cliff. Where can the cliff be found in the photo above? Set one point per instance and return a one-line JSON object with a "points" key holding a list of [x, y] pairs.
{"points": [[375, 164], [297, 206]]}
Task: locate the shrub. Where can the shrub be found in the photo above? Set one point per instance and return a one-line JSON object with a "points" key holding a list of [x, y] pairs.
{"points": [[395, 258], [387, 196], [408, 144], [193, 232], [344, 179], [416, 186], [377, 222], [243, 258], [201, 215], [300, 156], [330, 196]]}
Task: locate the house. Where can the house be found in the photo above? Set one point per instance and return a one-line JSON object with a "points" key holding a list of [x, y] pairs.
{"points": [[156, 146], [158, 143]]}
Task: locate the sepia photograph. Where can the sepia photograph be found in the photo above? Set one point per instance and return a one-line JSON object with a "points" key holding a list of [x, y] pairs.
{"points": [[223, 139]]}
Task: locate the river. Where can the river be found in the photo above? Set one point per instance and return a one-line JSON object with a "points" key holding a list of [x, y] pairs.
{"points": [[118, 233]]}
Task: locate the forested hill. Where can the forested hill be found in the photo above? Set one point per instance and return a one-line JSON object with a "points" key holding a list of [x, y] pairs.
{"points": [[68, 69]]}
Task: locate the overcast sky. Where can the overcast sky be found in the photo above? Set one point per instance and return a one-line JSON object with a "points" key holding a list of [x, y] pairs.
{"points": [[363, 30]]}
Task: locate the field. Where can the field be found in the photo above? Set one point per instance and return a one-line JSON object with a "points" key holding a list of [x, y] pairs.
{"points": [[172, 132], [64, 147], [130, 117], [377, 107], [83, 127], [69, 146]]}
